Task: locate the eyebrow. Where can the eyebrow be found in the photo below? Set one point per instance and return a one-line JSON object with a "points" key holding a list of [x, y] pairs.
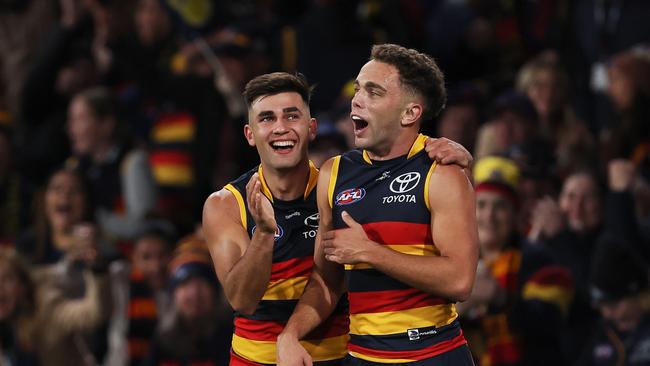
{"points": [[370, 85], [263, 114], [291, 109]]}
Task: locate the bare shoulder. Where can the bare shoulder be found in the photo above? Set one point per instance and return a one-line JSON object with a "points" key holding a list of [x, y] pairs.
{"points": [[448, 183], [220, 210], [220, 201], [449, 174]]}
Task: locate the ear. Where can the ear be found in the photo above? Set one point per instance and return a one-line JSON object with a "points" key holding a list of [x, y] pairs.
{"points": [[313, 129], [412, 114], [248, 133]]}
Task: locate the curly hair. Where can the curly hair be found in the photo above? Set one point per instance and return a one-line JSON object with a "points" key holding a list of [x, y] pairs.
{"points": [[418, 72]]}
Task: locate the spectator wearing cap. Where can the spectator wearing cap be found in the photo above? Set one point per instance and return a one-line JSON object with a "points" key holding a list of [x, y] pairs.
{"points": [[197, 329], [140, 295], [516, 288], [619, 288]]}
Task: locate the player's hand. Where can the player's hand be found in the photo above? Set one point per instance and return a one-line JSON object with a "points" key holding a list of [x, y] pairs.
{"points": [[260, 206], [446, 151], [349, 245], [291, 353]]}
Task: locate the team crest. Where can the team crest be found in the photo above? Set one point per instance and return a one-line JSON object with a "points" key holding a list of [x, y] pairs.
{"points": [[349, 196]]}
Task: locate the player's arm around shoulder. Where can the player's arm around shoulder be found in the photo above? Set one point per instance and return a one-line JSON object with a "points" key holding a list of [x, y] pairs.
{"points": [[228, 242], [453, 224]]}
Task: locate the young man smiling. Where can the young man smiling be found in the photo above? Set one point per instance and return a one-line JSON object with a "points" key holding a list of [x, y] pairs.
{"points": [[261, 227]]}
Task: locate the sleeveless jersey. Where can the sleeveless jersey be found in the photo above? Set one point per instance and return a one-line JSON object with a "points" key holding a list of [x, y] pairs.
{"points": [[391, 322], [293, 251]]}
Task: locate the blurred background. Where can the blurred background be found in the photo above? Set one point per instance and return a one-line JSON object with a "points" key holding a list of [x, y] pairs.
{"points": [[119, 117]]}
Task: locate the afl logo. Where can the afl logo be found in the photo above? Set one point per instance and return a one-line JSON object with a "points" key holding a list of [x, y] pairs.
{"points": [[279, 232], [312, 221], [349, 196], [405, 182]]}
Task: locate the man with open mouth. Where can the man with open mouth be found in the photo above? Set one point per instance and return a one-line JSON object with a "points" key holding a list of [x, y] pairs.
{"points": [[397, 232]]}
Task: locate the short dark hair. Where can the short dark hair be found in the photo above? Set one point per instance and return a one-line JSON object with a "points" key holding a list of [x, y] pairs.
{"points": [[101, 101], [276, 83], [417, 72]]}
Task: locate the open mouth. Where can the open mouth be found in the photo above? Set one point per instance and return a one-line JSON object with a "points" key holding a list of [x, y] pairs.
{"points": [[359, 123], [283, 146]]}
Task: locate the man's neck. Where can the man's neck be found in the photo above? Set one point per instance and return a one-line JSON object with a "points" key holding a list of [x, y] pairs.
{"points": [[400, 146], [287, 184]]}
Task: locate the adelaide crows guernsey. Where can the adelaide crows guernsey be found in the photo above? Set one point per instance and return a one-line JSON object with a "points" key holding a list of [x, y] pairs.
{"points": [[293, 251], [391, 322]]}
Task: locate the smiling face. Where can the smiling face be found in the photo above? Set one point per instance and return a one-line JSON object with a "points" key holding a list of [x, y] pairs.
{"points": [[495, 217], [580, 201], [280, 127]]}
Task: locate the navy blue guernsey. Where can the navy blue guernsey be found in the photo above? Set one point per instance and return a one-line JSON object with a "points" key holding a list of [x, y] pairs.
{"points": [[391, 322], [293, 251]]}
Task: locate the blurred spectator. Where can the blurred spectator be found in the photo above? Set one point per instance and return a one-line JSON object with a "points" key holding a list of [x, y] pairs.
{"points": [[73, 302], [570, 229], [17, 311], [62, 67], [619, 287], [328, 143], [598, 30], [140, 296], [23, 26], [63, 204], [15, 192], [510, 318], [547, 86], [460, 119], [120, 179], [198, 328], [629, 90], [513, 131]]}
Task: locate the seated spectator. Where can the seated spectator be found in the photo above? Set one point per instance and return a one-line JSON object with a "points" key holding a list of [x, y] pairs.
{"points": [[63, 205], [17, 309], [520, 299], [140, 296], [619, 288], [120, 179]]}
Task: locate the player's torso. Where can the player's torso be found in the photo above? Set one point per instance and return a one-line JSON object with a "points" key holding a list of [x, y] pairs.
{"points": [[389, 320], [292, 262]]}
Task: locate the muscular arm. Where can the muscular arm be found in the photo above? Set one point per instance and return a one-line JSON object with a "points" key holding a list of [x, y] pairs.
{"points": [[453, 224], [324, 288], [243, 265]]}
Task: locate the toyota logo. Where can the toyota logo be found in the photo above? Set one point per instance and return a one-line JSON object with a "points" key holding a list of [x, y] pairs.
{"points": [[405, 182], [312, 221]]}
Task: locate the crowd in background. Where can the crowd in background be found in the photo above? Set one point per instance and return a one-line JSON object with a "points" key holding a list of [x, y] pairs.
{"points": [[118, 118]]}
